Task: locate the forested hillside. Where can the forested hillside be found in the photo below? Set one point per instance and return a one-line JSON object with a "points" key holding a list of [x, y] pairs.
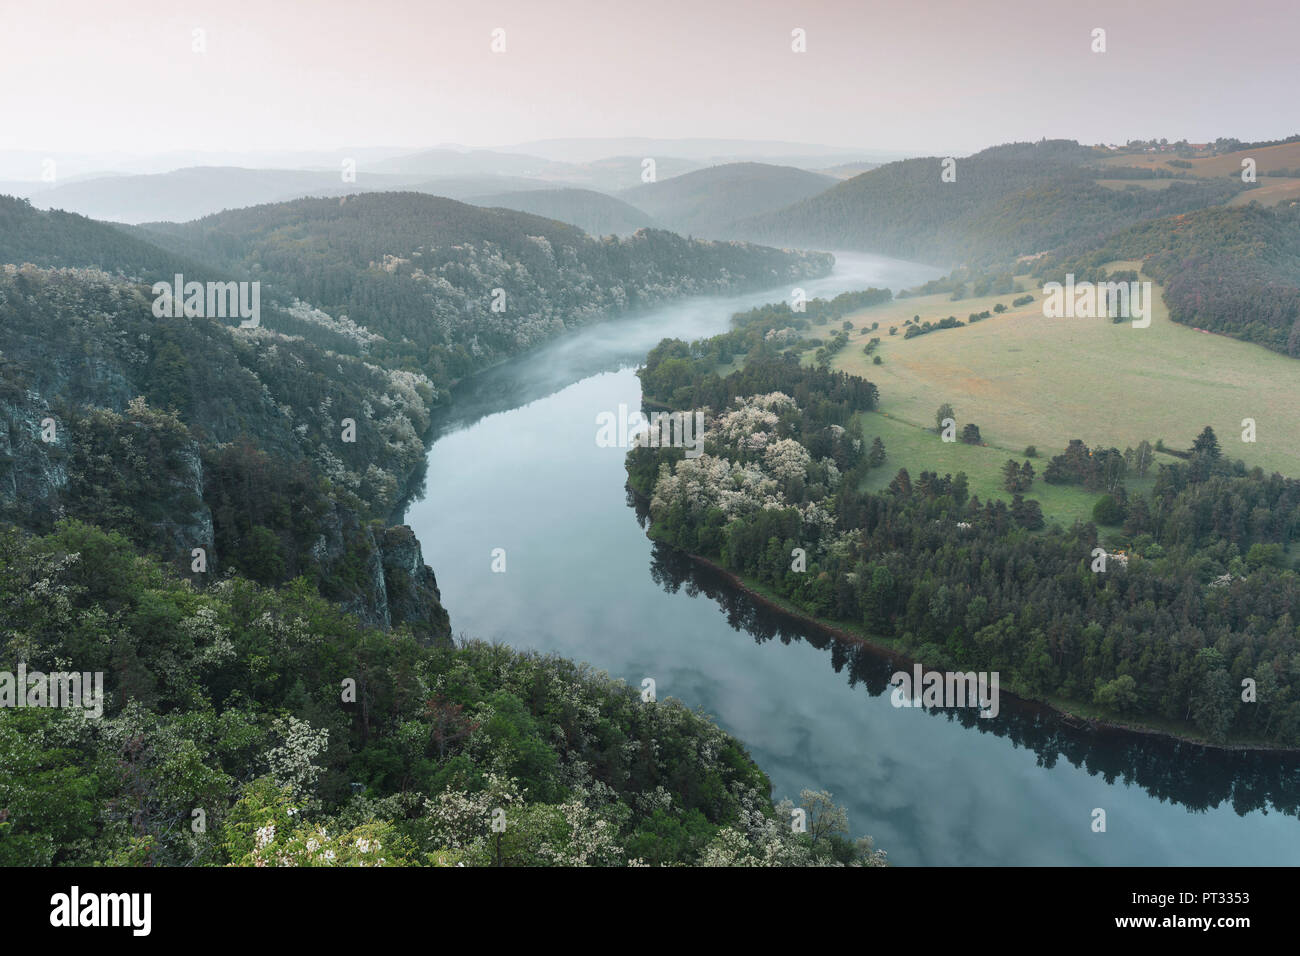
{"points": [[421, 272], [265, 728], [1004, 202], [188, 433], [1234, 271], [67, 239]]}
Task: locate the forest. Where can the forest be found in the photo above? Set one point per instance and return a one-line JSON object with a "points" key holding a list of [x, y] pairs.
{"points": [[1192, 621], [264, 727]]}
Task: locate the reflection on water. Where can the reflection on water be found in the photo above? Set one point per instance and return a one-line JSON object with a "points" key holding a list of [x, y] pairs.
{"points": [[1196, 777], [515, 465]]}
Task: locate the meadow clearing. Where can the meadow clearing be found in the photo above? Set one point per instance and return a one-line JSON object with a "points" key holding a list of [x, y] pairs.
{"points": [[1030, 380]]}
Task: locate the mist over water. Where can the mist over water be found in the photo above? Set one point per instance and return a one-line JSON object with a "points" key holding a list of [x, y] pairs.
{"points": [[624, 342], [515, 466]]}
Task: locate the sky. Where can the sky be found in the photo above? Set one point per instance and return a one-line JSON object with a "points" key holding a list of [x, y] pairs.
{"points": [[924, 76]]}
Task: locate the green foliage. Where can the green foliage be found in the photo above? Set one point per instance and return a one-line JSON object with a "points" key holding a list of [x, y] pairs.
{"points": [[1107, 511], [227, 700]]}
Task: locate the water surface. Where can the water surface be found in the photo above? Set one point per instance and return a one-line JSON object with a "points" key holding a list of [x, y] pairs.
{"points": [[515, 466]]}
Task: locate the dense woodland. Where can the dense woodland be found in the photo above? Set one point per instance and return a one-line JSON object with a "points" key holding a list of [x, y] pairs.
{"points": [[186, 433], [1199, 593]]}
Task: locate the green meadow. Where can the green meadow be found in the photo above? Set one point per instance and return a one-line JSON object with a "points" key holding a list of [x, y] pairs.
{"points": [[1029, 380]]}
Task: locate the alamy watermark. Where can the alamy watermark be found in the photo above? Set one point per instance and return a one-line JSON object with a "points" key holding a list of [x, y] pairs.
{"points": [[946, 689], [1089, 300], [661, 430], [59, 689], [130, 910], [212, 300]]}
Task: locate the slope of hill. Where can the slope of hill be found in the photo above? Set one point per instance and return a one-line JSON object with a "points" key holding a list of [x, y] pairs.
{"points": [[67, 239], [1004, 202], [710, 201], [848, 170], [447, 288], [1233, 270], [586, 150], [463, 187], [431, 163], [190, 433], [594, 213], [1268, 159]]}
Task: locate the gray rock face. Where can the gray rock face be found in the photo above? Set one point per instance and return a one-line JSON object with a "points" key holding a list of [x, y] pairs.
{"points": [[32, 472], [411, 588], [397, 588]]}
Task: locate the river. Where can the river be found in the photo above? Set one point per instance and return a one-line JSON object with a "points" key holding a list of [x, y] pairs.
{"points": [[514, 465]]}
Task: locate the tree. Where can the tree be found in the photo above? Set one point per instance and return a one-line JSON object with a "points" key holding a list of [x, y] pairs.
{"points": [[1026, 476], [945, 411], [1011, 476], [960, 490], [447, 723], [825, 819], [876, 457], [1119, 694], [1207, 443], [970, 434], [1027, 513], [1212, 704]]}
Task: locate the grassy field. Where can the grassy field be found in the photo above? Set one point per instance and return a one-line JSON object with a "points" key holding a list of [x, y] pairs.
{"points": [[1122, 184], [1271, 191], [1284, 156], [1028, 380], [918, 449]]}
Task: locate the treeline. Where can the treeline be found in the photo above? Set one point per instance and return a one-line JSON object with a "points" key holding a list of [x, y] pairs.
{"points": [[676, 376]]}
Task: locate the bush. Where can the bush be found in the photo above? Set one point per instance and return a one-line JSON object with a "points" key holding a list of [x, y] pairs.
{"points": [[1107, 511]]}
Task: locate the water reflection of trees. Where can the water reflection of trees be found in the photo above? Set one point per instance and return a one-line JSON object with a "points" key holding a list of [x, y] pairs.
{"points": [[1197, 777]]}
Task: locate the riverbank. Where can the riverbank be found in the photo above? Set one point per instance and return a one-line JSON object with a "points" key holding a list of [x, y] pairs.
{"points": [[1073, 713]]}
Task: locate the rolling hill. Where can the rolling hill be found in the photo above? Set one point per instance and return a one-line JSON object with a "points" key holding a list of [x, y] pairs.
{"points": [[594, 213], [422, 272], [709, 202], [1005, 202]]}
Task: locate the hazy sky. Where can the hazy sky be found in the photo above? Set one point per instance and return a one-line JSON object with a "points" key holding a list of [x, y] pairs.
{"points": [[925, 75]]}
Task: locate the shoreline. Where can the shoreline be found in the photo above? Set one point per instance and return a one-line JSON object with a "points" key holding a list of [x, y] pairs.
{"points": [[1071, 720]]}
